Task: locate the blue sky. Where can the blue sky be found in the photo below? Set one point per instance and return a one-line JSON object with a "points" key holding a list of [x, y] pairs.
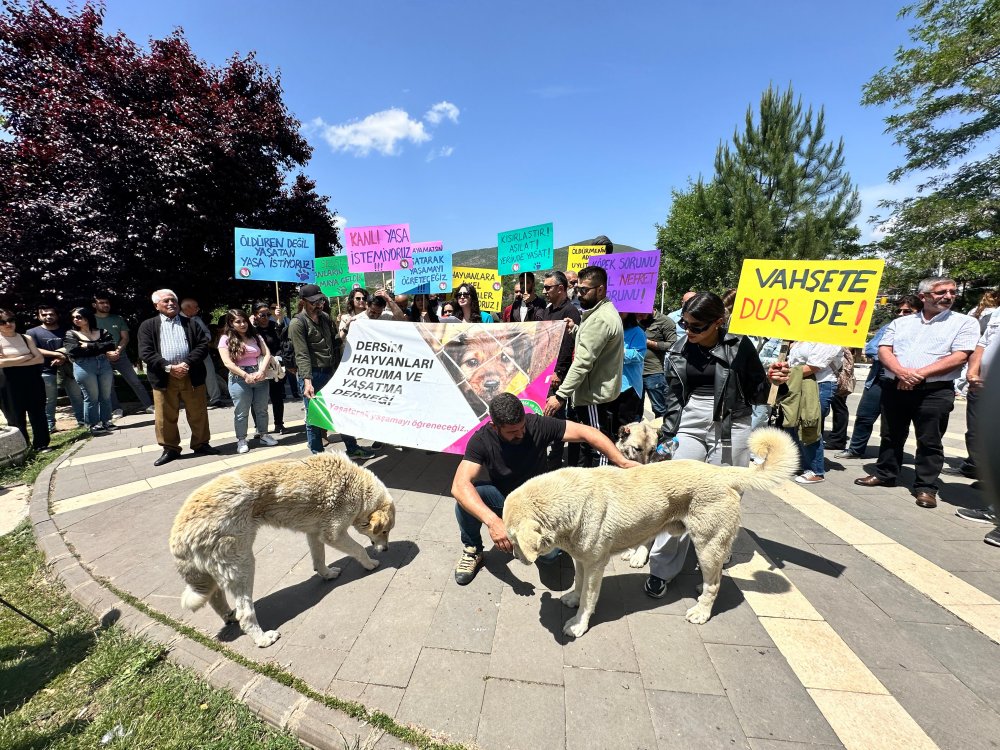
{"points": [[466, 118]]}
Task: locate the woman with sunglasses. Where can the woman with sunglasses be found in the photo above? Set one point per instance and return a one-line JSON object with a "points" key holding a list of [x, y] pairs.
{"points": [[246, 356], [87, 347], [448, 313], [22, 394], [468, 305], [714, 378], [423, 309], [357, 305]]}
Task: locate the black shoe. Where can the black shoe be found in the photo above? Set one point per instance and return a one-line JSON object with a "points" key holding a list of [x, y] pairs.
{"points": [[280, 429], [214, 404], [993, 537], [979, 515], [961, 471], [655, 587], [206, 450], [166, 457]]}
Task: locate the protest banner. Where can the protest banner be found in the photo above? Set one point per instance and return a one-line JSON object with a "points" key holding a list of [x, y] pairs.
{"points": [[428, 385], [827, 301], [333, 277], [267, 255], [487, 284], [578, 256], [527, 249], [382, 248], [429, 271], [631, 279]]}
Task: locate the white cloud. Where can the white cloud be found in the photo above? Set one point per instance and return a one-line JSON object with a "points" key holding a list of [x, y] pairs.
{"points": [[340, 221], [382, 132], [442, 153], [442, 111]]}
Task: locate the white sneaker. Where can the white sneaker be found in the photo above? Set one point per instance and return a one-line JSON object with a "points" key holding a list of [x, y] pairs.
{"points": [[242, 447], [117, 414], [809, 477], [267, 440], [150, 410]]}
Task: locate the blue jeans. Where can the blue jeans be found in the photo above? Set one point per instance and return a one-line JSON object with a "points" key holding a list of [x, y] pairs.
{"points": [[812, 454], [656, 386], [247, 397], [868, 411], [52, 382], [471, 528], [314, 435], [96, 379], [127, 371]]}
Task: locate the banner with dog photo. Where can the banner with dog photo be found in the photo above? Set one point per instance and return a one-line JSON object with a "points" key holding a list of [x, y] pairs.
{"points": [[428, 385]]}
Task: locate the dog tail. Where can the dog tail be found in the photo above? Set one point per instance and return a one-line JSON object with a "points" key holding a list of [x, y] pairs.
{"points": [[775, 460], [200, 586]]}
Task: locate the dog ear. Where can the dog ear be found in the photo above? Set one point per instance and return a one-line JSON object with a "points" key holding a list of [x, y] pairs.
{"points": [[381, 521], [622, 433], [532, 540]]}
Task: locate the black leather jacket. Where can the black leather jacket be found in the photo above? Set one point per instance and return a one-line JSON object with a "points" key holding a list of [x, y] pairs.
{"points": [[740, 382]]}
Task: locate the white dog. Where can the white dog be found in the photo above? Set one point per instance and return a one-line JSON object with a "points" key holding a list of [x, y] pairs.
{"points": [[593, 513], [322, 496]]}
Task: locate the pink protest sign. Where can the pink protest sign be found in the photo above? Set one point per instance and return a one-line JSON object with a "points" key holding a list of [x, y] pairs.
{"points": [[632, 279], [383, 248]]}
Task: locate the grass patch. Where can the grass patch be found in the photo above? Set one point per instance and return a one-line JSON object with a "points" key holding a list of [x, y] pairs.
{"points": [[72, 691], [28, 472]]}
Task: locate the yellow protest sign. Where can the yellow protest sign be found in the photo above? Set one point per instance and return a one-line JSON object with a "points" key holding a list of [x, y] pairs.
{"points": [[579, 255], [828, 301], [487, 284]]}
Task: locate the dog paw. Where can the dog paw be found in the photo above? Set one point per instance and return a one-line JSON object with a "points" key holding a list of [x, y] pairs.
{"points": [[698, 614], [266, 638], [570, 599], [329, 573], [231, 618], [639, 558], [370, 565], [627, 554], [575, 628]]}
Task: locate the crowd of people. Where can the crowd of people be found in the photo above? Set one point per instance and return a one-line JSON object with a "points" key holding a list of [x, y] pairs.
{"points": [[707, 386]]}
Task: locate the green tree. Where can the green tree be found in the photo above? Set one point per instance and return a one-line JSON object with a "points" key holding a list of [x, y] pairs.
{"points": [[696, 254], [779, 190], [946, 100]]}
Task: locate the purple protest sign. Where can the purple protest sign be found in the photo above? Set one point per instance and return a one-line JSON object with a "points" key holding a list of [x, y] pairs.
{"points": [[383, 248], [632, 279]]}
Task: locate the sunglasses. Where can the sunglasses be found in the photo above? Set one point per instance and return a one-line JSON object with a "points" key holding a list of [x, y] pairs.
{"points": [[692, 328], [584, 289], [7, 321], [463, 294], [78, 317]]}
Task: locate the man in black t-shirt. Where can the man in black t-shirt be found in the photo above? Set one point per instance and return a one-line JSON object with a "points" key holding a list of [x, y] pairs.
{"points": [[499, 458], [49, 339]]}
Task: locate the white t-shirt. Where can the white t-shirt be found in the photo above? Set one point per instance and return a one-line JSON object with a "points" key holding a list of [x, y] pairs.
{"points": [[826, 359]]}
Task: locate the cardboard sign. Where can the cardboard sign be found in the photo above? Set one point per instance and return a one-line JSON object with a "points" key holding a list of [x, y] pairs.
{"points": [[382, 248], [827, 301], [334, 279], [267, 255], [429, 271], [632, 279], [579, 255], [487, 284], [428, 385], [528, 249]]}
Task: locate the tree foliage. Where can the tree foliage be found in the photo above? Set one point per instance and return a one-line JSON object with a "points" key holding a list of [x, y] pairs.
{"points": [[128, 169], [946, 100], [779, 190]]}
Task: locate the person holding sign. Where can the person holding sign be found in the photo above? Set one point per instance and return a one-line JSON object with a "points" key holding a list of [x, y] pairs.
{"points": [[923, 354], [820, 362], [714, 378]]}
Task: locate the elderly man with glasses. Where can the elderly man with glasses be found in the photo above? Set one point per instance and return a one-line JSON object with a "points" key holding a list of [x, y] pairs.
{"points": [[922, 355]]}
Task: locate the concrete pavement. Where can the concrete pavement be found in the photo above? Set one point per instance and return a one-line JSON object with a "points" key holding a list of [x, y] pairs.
{"points": [[848, 617]]}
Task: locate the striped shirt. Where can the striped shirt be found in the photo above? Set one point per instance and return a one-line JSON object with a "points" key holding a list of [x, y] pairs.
{"points": [[917, 342], [173, 340]]}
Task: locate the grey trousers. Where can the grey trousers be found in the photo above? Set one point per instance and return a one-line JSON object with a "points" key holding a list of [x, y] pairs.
{"points": [[700, 439]]}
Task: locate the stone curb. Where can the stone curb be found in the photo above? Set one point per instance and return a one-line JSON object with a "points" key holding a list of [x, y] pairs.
{"points": [[313, 723]]}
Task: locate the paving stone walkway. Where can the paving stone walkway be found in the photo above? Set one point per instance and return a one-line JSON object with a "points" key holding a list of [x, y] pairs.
{"points": [[848, 618]]}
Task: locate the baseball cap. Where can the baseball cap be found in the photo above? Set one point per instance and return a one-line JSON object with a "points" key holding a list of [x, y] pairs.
{"points": [[311, 293]]}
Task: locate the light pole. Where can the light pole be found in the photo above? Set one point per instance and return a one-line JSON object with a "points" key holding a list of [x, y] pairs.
{"points": [[663, 295]]}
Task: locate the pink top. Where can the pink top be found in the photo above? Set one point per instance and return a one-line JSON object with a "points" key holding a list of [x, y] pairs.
{"points": [[250, 355]]}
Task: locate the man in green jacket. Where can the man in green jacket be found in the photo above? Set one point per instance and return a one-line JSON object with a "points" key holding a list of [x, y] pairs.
{"points": [[594, 379]]}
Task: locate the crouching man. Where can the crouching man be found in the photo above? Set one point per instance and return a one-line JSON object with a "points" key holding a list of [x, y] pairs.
{"points": [[499, 458]]}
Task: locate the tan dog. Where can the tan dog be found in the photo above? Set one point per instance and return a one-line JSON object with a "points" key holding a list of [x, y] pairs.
{"points": [[638, 441], [593, 513], [322, 496]]}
